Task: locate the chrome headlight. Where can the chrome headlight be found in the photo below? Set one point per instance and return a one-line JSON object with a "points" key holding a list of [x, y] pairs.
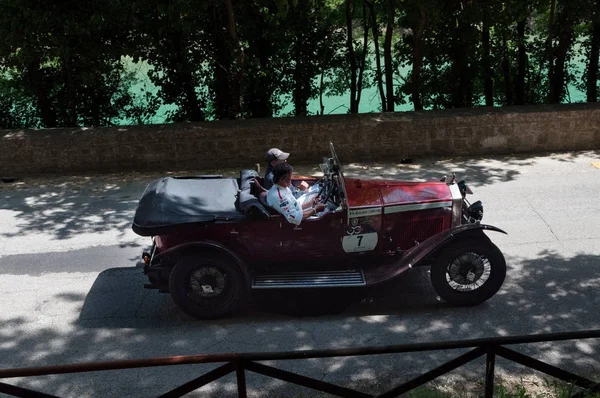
{"points": [[475, 212]]}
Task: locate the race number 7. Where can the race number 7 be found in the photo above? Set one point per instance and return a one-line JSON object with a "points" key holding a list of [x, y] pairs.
{"points": [[359, 243]]}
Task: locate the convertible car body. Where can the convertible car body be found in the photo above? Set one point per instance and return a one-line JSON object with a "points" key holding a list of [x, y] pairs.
{"points": [[215, 239]]}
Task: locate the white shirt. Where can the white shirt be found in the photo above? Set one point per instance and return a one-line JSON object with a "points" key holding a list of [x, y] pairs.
{"points": [[282, 199]]}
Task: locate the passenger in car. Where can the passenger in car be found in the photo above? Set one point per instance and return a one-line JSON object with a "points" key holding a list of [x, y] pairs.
{"points": [[274, 156], [281, 198]]}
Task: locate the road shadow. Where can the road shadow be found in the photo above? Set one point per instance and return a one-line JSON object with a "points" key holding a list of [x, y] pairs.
{"points": [[117, 299], [118, 320], [63, 211]]}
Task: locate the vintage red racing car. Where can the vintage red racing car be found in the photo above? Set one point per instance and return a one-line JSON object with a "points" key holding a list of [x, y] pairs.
{"points": [[214, 239]]}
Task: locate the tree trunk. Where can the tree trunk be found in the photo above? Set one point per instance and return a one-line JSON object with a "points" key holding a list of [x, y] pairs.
{"points": [[387, 54], [462, 51], [238, 72], [506, 71], [321, 86], [363, 61], [351, 57], [417, 55], [33, 75], [257, 98], [378, 73], [195, 111], [488, 86], [192, 107], [222, 65], [565, 40], [550, 49], [260, 103], [301, 93], [592, 77], [71, 100], [520, 86], [557, 85], [301, 53]]}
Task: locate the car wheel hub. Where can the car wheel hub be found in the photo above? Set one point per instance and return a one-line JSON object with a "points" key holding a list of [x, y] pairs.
{"points": [[207, 282], [468, 272]]}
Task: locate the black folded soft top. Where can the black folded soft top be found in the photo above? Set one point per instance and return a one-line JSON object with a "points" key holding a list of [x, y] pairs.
{"points": [[172, 201]]}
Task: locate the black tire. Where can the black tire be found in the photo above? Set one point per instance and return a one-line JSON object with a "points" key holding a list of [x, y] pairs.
{"points": [[468, 272], [207, 286]]}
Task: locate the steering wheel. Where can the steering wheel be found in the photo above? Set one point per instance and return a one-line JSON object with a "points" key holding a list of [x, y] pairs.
{"points": [[327, 191], [324, 189]]}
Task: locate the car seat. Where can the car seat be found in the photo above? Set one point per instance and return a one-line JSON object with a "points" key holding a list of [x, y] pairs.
{"points": [[261, 193], [252, 196]]}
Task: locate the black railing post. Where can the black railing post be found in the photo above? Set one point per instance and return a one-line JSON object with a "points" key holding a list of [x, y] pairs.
{"points": [[490, 364], [240, 372], [15, 391]]}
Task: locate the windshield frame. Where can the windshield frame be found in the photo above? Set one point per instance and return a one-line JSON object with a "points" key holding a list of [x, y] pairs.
{"points": [[338, 166]]}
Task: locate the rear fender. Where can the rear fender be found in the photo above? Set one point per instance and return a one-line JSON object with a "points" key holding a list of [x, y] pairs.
{"points": [[418, 255], [170, 257]]}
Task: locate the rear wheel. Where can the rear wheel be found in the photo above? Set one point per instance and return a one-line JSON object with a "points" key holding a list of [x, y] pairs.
{"points": [[207, 286], [468, 272]]}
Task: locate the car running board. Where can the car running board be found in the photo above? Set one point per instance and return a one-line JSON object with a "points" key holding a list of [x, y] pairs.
{"points": [[314, 279]]}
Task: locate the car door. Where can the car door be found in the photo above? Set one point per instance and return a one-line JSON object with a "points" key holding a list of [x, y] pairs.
{"points": [[259, 241], [314, 238]]}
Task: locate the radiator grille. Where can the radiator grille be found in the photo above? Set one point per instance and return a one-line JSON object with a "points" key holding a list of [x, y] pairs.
{"points": [[419, 230]]}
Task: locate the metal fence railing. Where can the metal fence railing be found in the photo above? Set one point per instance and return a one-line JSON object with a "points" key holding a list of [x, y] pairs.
{"points": [[240, 363]]}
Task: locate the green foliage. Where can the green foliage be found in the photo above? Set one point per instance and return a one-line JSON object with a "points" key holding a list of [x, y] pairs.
{"points": [[16, 108], [172, 37], [266, 42], [312, 47], [65, 57], [65, 63]]}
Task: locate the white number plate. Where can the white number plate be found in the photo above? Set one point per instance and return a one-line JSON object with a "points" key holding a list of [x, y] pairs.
{"points": [[359, 243]]}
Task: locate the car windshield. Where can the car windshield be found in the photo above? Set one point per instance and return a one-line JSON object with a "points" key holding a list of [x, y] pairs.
{"points": [[335, 157], [337, 170]]}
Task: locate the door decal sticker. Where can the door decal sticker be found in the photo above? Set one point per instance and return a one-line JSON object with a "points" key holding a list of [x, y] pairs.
{"points": [[360, 236]]}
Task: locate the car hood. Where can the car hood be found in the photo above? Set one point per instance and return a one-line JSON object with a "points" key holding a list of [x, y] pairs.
{"points": [[363, 193]]}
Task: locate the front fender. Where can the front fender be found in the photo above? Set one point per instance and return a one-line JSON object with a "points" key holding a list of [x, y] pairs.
{"points": [[414, 256]]}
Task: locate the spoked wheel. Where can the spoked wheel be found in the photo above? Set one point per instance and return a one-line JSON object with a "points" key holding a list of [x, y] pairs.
{"points": [[207, 286], [468, 272]]}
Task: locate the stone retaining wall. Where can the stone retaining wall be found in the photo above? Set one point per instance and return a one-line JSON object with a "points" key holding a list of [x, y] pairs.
{"points": [[364, 137]]}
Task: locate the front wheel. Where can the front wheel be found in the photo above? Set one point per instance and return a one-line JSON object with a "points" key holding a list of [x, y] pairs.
{"points": [[207, 286], [468, 272]]}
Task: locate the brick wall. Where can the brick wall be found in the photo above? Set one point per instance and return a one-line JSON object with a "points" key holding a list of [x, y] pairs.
{"points": [[364, 137]]}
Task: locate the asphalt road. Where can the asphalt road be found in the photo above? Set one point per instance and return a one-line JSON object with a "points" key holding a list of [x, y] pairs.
{"points": [[72, 287]]}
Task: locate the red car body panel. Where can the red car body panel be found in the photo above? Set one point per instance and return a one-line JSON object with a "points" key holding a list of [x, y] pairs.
{"points": [[365, 193], [410, 211]]}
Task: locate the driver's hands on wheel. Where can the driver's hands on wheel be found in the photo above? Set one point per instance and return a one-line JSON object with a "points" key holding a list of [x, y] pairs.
{"points": [[319, 207]]}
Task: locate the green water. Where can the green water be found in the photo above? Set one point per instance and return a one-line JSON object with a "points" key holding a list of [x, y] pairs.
{"points": [[338, 104]]}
